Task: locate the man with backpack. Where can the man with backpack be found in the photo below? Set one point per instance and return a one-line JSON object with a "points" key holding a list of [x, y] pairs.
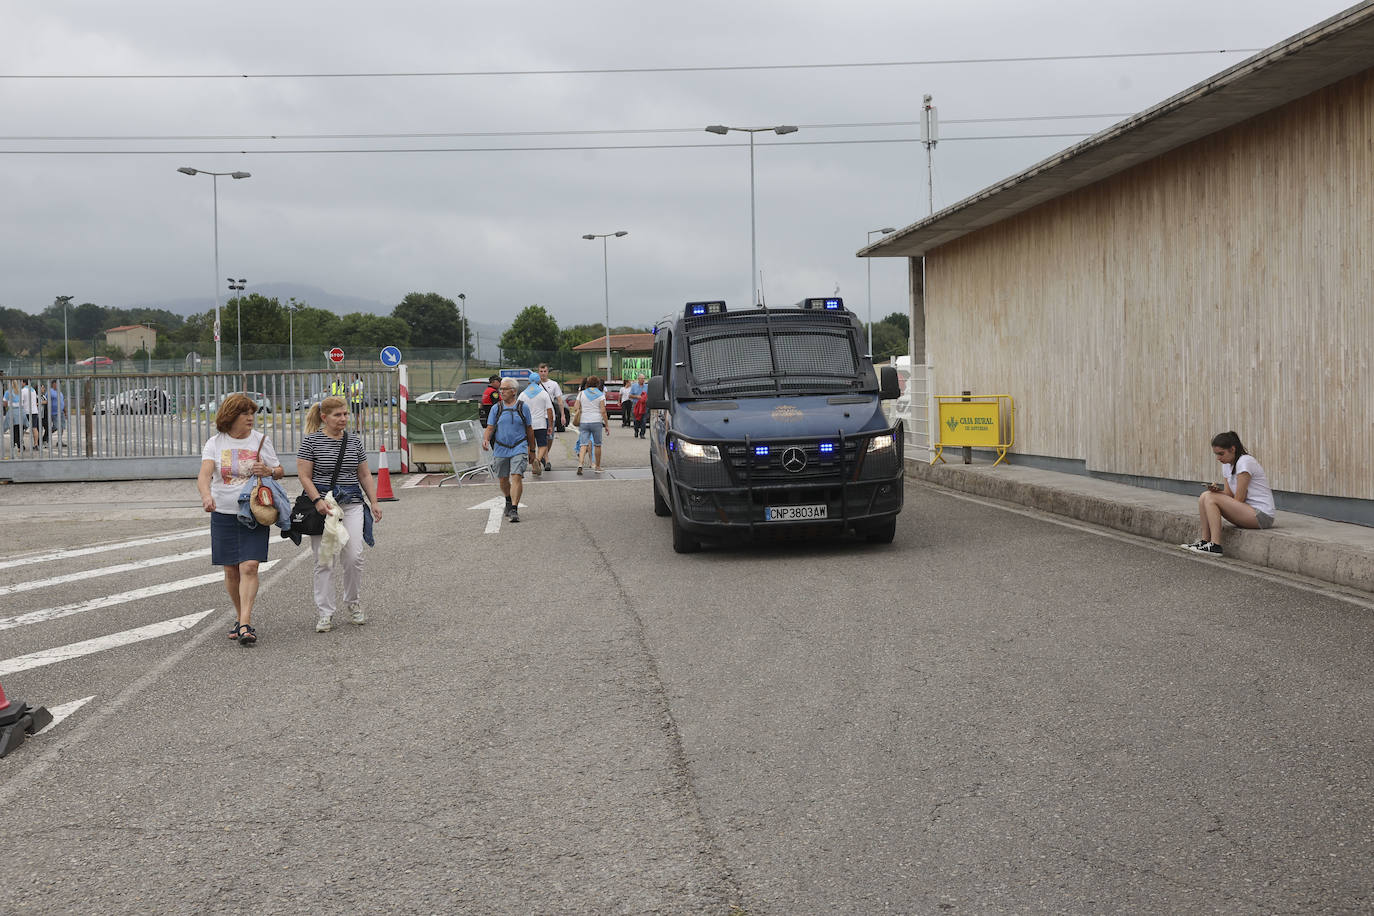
{"points": [[510, 438]]}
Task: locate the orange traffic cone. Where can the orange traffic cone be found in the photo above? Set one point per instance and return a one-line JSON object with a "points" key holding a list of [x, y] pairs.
{"points": [[384, 493]]}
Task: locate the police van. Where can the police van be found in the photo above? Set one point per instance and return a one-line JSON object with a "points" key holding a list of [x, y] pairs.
{"points": [[769, 422]]}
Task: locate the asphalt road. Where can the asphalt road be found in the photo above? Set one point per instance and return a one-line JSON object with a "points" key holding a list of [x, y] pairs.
{"points": [[996, 713]]}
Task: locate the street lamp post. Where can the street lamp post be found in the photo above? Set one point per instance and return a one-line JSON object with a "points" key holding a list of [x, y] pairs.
{"points": [[64, 300], [888, 231], [237, 286], [463, 332], [291, 308], [606, 274], [214, 180], [753, 238]]}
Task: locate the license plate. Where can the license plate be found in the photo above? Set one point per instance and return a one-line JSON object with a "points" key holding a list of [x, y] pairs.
{"points": [[793, 513]]}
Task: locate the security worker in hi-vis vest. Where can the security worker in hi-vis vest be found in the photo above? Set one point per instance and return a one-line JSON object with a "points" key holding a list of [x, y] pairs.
{"points": [[355, 401]]}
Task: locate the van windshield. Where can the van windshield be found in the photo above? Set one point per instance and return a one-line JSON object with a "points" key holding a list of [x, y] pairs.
{"points": [[799, 361]]}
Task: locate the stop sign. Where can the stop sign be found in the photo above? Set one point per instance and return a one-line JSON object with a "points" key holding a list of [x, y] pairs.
{"points": [[336, 355]]}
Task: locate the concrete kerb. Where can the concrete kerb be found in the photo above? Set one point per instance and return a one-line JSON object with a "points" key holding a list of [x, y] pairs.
{"points": [[1334, 552]]}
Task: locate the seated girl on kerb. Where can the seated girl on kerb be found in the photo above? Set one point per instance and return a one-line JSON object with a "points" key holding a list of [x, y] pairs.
{"points": [[1244, 500]]}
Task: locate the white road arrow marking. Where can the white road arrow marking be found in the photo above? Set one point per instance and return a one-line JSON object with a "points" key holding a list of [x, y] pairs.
{"points": [[61, 712], [101, 548], [497, 505], [101, 643], [67, 610]]}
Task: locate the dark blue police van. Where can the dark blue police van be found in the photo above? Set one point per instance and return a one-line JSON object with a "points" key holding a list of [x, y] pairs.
{"points": [[769, 422]]}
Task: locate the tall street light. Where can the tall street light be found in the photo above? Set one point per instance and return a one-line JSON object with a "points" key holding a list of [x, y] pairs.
{"points": [[291, 309], [214, 178], [64, 300], [463, 332], [606, 273], [753, 238], [888, 231], [237, 286]]}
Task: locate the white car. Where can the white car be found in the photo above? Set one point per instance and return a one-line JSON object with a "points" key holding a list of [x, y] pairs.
{"points": [[435, 396], [259, 399]]}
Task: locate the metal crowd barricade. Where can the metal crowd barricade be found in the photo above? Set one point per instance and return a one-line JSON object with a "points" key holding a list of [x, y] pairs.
{"points": [[463, 439]]}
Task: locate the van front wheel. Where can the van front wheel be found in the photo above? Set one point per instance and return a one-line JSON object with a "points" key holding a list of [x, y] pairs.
{"points": [[661, 507], [683, 540], [883, 532]]}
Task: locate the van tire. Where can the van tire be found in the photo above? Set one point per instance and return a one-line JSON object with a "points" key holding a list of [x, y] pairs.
{"points": [[683, 540], [661, 507], [883, 532]]}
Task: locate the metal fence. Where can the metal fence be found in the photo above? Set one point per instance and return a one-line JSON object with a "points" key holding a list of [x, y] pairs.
{"points": [[130, 426]]}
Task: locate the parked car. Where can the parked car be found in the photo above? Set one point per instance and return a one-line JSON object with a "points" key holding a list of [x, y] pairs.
{"points": [[138, 400], [440, 395], [95, 361], [471, 390], [612, 389], [264, 404]]}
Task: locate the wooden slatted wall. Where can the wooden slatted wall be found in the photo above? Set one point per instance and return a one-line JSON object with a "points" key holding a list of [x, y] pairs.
{"points": [[1225, 285]]}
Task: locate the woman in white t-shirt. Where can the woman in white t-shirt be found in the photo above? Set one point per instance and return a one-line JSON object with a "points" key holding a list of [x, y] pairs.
{"points": [[1245, 499], [232, 457]]}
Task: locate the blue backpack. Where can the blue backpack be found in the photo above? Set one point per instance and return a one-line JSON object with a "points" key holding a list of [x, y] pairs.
{"points": [[495, 423]]}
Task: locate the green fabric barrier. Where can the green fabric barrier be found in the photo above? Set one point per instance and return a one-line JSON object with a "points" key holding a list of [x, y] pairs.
{"points": [[423, 421]]}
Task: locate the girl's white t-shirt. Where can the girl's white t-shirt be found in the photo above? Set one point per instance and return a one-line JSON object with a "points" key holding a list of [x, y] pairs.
{"points": [[233, 460], [1258, 496]]}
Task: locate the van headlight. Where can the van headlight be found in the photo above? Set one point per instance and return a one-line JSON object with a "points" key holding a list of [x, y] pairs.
{"points": [[880, 444], [696, 450]]}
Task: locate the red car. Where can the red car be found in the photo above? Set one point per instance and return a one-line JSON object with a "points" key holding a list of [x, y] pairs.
{"points": [[612, 389]]}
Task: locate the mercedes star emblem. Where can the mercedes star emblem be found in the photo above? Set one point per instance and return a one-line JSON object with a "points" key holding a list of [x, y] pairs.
{"points": [[794, 460]]}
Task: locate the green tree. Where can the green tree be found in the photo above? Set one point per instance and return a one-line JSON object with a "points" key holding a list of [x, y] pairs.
{"points": [[579, 334], [901, 320], [315, 330], [360, 331], [888, 341], [264, 326], [433, 321], [4, 344], [533, 332]]}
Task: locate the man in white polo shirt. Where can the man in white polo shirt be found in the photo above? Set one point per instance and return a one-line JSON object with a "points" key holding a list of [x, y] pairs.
{"points": [[560, 406], [541, 419]]}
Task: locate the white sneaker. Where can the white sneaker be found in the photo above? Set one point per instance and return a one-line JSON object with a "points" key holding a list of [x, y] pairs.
{"points": [[356, 616], [325, 624]]}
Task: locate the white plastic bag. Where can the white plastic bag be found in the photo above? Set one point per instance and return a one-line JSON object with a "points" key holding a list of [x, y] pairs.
{"points": [[335, 534]]}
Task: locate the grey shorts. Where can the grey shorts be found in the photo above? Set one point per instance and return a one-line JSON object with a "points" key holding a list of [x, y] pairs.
{"points": [[515, 465], [1265, 520]]}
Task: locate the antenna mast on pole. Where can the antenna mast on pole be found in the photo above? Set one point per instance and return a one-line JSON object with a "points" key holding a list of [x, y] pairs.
{"points": [[930, 135]]}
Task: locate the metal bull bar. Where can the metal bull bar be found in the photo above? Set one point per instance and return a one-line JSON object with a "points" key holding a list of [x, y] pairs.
{"points": [[155, 425]]}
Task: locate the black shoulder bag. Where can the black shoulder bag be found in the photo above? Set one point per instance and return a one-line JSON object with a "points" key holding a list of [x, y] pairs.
{"points": [[305, 518]]}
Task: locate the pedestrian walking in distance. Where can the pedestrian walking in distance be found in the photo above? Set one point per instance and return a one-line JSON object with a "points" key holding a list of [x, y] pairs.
{"points": [[510, 438], [233, 456], [327, 444]]}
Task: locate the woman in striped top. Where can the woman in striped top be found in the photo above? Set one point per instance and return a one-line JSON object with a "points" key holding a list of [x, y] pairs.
{"points": [[327, 443]]}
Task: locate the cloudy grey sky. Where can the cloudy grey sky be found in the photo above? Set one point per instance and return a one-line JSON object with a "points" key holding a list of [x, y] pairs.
{"points": [[532, 162]]}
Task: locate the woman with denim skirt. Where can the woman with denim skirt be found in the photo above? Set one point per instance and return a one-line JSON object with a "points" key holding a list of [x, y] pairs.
{"points": [[230, 459], [328, 444]]}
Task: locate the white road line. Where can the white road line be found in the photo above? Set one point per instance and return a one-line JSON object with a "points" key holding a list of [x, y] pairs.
{"points": [[101, 643], [414, 481], [104, 571], [496, 511], [101, 548], [67, 610], [61, 712]]}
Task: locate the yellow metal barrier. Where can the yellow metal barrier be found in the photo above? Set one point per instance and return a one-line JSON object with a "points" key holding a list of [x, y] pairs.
{"points": [[975, 420]]}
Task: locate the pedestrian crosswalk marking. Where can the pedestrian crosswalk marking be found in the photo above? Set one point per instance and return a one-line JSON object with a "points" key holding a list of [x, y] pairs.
{"points": [[67, 610], [101, 643], [103, 571], [101, 548]]}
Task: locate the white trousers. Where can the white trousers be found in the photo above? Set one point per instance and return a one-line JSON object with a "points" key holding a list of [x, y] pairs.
{"points": [[348, 565]]}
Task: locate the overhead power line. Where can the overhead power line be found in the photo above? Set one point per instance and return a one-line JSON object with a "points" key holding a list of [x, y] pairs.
{"points": [[526, 133], [507, 149], [617, 70]]}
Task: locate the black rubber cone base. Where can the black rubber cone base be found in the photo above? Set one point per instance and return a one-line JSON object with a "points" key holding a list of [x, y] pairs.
{"points": [[18, 721]]}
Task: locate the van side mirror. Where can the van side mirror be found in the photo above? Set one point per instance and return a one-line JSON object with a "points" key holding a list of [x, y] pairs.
{"points": [[888, 388], [658, 398]]}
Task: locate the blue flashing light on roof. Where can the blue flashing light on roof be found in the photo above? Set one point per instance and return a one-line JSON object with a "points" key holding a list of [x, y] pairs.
{"points": [[714, 307], [829, 304]]}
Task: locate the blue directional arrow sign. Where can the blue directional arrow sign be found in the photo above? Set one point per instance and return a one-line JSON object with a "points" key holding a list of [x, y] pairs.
{"points": [[391, 357]]}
